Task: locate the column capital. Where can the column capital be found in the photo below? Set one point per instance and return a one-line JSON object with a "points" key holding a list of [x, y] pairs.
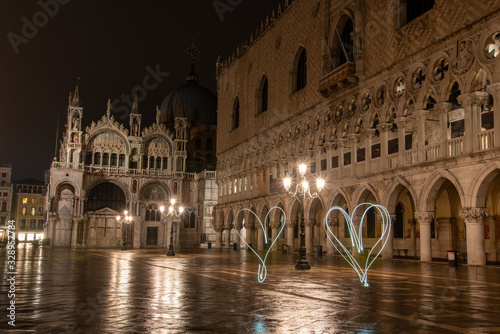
{"points": [[341, 142], [424, 218], [353, 138], [474, 98], [291, 223], [402, 122], [422, 114], [474, 215], [310, 222], [218, 228], [275, 224], [369, 133], [384, 127], [443, 107], [333, 221]]}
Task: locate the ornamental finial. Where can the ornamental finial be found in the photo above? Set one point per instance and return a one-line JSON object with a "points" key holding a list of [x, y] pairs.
{"points": [[192, 51]]}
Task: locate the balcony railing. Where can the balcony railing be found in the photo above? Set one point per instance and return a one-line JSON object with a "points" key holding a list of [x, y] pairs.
{"points": [[411, 157], [485, 139], [455, 146], [393, 160], [375, 165], [338, 78], [360, 168], [121, 170], [432, 152], [67, 165]]}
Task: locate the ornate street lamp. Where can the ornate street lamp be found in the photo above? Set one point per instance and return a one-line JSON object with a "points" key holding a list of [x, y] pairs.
{"points": [[302, 191], [125, 220], [173, 211]]}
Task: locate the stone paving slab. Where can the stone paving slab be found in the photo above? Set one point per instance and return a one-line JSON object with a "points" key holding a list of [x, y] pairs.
{"points": [[216, 291]]}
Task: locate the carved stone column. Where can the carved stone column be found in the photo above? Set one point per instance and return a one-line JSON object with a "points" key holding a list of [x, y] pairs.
{"points": [[333, 223], [218, 236], [275, 226], [474, 222], [249, 233], [368, 135], [443, 108], [421, 117], [354, 139], [290, 228], [384, 129], [260, 239], [424, 220], [341, 143], [401, 122], [472, 118], [237, 233], [387, 252], [412, 249], [356, 221]]}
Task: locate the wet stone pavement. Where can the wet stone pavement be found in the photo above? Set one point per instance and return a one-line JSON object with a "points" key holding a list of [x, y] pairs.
{"points": [[216, 291]]}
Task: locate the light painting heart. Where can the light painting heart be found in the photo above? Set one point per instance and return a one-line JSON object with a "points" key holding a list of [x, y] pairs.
{"points": [[357, 237], [262, 272]]}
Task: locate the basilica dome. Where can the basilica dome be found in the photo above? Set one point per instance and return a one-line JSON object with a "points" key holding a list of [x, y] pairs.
{"points": [[196, 103]]}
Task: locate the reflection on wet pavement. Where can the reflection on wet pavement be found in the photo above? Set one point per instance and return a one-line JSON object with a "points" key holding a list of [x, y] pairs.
{"points": [[216, 291]]}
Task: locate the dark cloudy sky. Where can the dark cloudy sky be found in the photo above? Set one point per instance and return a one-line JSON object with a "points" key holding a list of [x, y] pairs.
{"points": [[108, 44]]}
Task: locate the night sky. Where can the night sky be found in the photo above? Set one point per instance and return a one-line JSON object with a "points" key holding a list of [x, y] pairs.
{"points": [[109, 45]]}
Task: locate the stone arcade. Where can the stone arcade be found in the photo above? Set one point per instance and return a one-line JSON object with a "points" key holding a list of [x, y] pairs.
{"points": [[391, 102]]}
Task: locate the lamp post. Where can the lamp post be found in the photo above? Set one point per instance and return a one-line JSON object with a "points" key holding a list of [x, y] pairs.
{"points": [[173, 211], [302, 191], [125, 219]]}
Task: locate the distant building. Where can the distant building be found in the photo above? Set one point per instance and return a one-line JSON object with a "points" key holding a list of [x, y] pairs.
{"points": [[110, 167], [391, 102], [5, 199], [29, 210]]}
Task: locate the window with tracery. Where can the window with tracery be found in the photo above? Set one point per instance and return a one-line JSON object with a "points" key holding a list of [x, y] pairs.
{"points": [[152, 213]]}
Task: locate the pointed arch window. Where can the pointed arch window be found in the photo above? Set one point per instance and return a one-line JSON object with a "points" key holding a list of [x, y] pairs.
{"points": [[301, 71], [346, 43], [235, 117], [263, 96], [153, 213]]}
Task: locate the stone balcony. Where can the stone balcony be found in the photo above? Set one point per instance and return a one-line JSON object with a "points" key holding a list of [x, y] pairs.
{"points": [[341, 77]]}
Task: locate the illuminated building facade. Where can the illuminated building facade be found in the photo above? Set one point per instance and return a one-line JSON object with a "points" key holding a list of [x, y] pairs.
{"points": [[29, 211], [5, 199], [109, 167], [391, 102]]}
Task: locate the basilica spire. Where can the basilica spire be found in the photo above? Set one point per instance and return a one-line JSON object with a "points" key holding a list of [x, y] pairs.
{"points": [[75, 98]]}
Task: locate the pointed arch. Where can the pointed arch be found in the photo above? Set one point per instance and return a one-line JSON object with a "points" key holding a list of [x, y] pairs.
{"points": [[362, 192], [431, 187]]}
